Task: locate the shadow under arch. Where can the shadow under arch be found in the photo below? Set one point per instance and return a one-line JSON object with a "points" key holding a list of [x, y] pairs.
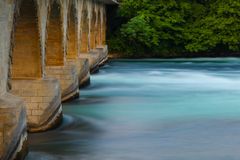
{"points": [[26, 55], [93, 28], [84, 33], [72, 48], [54, 42]]}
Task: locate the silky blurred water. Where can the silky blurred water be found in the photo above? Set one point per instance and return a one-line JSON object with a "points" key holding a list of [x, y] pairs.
{"points": [[182, 109]]}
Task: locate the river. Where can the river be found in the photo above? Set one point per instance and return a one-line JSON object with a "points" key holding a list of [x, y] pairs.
{"points": [[179, 109]]}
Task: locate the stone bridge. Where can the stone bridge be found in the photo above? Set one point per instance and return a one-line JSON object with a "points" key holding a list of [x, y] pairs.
{"points": [[48, 48]]}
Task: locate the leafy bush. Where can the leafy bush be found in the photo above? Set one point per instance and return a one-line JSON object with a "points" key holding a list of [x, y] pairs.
{"points": [[160, 28]]}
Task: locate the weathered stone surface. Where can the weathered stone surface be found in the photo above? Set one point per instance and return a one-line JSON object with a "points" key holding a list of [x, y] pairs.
{"points": [[83, 70], [12, 111], [84, 29], [26, 48], [72, 55], [93, 58], [84, 75], [103, 19], [68, 78], [43, 102], [13, 129], [6, 26], [54, 44], [96, 57], [93, 29], [72, 47], [103, 56]]}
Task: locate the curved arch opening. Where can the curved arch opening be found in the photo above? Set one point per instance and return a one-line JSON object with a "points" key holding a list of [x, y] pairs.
{"points": [[54, 47], [104, 25], [72, 48], [93, 29], [26, 57], [84, 26], [98, 34]]}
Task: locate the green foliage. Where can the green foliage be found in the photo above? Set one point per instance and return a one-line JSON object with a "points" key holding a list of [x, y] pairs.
{"points": [[164, 28], [219, 30]]}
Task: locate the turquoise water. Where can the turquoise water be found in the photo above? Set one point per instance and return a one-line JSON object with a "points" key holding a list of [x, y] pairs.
{"points": [[182, 109]]}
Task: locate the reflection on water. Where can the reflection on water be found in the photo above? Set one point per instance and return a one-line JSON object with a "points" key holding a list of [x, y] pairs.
{"points": [[151, 110]]}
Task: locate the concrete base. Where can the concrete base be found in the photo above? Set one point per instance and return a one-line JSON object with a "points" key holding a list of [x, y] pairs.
{"points": [[13, 128], [68, 78], [93, 58], [43, 102], [84, 76], [82, 69], [103, 56], [96, 57]]}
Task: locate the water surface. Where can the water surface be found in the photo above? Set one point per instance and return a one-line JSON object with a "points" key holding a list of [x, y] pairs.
{"points": [[182, 109]]}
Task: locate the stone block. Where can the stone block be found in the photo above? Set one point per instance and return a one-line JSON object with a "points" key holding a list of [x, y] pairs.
{"points": [[42, 104], [83, 70], [93, 59], [37, 112], [12, 126], [68, 79], [36, 99], [32, 105], [33, 118]]}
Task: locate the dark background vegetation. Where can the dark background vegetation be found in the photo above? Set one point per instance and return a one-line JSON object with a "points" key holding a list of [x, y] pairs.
{"points": [[175, 28]]}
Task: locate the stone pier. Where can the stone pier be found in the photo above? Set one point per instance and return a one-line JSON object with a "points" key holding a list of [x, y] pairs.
{"points": [[85, 14], [40, 94], [92, 34], [13, 127], [73, 49], [57, 66], [101, 45]]}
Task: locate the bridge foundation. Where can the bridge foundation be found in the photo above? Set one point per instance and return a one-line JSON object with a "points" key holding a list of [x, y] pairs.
{"points": [[41, 95], [43, 100], [13, 128], [57, 67], [92, 38], [72, 56]]}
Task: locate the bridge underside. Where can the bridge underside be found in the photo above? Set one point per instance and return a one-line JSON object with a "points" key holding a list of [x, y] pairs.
{"points": [[47, 51]]}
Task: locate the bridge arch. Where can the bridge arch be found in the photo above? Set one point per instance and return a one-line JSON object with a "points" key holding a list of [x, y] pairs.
{"points": [[99, 27], [26, 56], [54, 42], [93, 28], [84, 48]]}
